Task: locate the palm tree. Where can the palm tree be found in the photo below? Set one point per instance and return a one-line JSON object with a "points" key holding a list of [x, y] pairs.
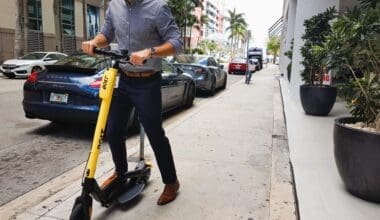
{"points": [[273, 46], [182, 12], [190, 23], [237, 28]]}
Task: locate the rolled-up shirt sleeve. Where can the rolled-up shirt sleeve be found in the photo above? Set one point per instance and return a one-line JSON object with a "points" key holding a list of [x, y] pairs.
{"points": [[168, 29], [108, 29]]}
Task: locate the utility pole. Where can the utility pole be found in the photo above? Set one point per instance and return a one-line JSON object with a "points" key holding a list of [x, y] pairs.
{"points": [[248, 74]]}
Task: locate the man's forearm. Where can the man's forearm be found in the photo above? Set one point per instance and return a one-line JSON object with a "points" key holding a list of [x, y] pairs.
{"points": [[166, 49]]}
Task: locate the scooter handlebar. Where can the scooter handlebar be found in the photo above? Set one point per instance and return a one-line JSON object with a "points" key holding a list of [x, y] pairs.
{"points": [[123, 54]]}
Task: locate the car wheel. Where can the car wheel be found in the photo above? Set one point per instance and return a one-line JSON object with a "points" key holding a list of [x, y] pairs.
{"points": [[224, 83], [36, 69], [212, 88], [190, 96]]}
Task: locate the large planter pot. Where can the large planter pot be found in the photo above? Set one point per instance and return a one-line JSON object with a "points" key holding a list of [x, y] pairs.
{"points": [[317, 100], [357, 156]]}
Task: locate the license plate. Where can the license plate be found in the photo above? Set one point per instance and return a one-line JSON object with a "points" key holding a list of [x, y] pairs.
{"points": [[57, 97]]}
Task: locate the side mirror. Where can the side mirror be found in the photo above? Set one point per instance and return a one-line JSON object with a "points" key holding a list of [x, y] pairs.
{"points": [[48, 59], [222, 66]]}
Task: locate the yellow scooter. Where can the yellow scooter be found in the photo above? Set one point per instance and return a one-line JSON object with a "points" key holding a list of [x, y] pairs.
{"points": [[133, 182]]}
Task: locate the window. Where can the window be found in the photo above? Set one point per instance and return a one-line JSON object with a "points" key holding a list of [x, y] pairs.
{"points": [[35, 15], [166, 68], [67, 17], [93, 21]]}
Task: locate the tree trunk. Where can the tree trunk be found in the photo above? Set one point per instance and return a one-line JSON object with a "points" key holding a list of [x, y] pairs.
{"points": [[18, 47], [191, 29]]}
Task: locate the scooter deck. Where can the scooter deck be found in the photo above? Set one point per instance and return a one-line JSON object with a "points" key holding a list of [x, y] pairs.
{"points": [[131, 192]]}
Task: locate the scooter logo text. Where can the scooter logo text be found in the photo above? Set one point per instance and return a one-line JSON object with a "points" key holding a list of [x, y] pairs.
{"points": [[105, 80]]}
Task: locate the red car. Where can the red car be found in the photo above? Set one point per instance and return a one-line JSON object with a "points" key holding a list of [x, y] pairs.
{"points": [[237, 66]]}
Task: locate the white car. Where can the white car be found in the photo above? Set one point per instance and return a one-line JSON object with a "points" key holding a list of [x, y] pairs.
{"points": [[24, 66]]}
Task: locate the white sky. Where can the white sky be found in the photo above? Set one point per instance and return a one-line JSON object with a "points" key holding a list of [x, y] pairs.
{"points": [[259, 14]]}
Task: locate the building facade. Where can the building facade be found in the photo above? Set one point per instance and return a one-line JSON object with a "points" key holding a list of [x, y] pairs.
{"points": [[294, 14], [48, 25]]}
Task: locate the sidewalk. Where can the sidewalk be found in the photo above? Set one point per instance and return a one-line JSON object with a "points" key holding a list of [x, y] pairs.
{"points": [[231, 157], [320, 191]]}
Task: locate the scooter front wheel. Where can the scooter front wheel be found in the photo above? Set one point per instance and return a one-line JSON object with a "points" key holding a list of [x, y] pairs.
{"points": [[82, 209]]}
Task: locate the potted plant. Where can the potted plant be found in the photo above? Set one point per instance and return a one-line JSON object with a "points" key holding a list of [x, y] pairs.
{"points": [[316, 98], [354, 50]]}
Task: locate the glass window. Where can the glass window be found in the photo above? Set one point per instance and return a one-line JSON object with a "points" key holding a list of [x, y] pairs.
{"points": [[83, 61], [166, 68], [93, 21], [67, 17], [35, 15], [33, 56]]}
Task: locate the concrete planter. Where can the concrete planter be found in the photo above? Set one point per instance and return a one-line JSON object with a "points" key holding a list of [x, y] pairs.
{"points": [[357, 156], [317, 100]]}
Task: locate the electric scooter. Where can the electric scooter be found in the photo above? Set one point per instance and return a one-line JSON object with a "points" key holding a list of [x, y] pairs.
{"points": [[133, 182]]}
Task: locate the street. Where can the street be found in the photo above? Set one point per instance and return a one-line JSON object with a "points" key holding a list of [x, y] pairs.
{"points": [[34, 151]]}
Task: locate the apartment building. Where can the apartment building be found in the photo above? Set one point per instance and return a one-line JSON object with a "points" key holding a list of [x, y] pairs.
{"points": [[41, 20]]}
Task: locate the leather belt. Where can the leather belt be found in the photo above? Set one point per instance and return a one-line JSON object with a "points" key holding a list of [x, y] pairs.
{"points": [[139, 74]]}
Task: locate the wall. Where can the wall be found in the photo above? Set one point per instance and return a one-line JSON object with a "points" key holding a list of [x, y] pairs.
{"points": [[304, 10]]}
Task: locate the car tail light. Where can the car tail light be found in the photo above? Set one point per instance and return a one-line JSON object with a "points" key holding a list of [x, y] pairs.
{"points": [[32, 78], [96, 83]]}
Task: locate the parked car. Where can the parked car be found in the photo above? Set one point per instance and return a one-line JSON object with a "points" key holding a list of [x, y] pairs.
{"points": [[68, 91], [32, 62], [237, 66], [208, 74]]}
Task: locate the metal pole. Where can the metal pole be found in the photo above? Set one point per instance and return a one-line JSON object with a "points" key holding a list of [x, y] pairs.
{"points": [[142, 138], [247, 69]]}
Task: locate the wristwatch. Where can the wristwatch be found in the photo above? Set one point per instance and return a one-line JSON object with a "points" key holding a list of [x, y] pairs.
{"points": [[152, 52]]}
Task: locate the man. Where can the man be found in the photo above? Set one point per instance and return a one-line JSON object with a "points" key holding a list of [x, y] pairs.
{"points": [[146, 29]]}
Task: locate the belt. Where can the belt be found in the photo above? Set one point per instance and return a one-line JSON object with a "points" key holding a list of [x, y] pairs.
{"points": [[139, 74]]}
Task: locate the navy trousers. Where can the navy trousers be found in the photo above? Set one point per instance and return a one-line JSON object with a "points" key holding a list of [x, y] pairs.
{"points": [[145, 95]]}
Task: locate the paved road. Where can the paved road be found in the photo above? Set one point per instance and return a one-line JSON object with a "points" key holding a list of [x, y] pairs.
{"points": [[33, 152]]}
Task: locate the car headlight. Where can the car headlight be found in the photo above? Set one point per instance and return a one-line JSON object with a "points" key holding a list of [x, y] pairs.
{"points": [[22, 65]]}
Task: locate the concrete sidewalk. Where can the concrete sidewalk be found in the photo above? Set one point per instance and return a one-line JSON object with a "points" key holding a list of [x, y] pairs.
{"points": [[231, 157]]}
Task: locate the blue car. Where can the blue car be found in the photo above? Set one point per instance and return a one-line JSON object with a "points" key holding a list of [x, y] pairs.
{"points": [[68, 91]]}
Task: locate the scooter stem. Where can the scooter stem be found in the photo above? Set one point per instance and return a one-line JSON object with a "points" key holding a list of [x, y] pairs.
{"points": [[105, 94]]}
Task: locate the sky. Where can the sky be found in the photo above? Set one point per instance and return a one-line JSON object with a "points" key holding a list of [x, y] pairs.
{"points": [[259, 14]]}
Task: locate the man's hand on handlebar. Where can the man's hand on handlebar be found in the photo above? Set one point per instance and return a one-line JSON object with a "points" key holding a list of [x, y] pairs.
{"points": [[88, 47], [140, 57]]}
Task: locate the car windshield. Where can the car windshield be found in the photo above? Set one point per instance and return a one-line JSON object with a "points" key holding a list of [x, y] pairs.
{"points": [[239, 60], [191, 59], [33, 56], [82, 61]]}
